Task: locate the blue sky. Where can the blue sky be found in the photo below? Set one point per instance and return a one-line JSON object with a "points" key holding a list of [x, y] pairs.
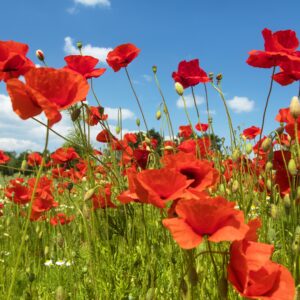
{"points": [[219, 33]]}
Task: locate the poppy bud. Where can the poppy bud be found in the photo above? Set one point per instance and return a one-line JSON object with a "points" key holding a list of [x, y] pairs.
{"points": [[40, 55], [75, 114], [46, 250], [158, 115], [269, 166], [296, 243], [292, 167], [89, 194], [269, 184], [235, 186], [165, 109], [274, 211], [154, 69], [295, 107], [179, 88], [168, 147], [211, 75], [60, 293], [23, 165], [236, 155], [219, 77], [280, 130], [79, 45], [209, 120], [118, 129], [248, 148], [266, 144], [287, 202], [138, 122]]}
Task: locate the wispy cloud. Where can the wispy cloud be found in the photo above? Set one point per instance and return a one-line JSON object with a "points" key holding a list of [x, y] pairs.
{"points": [[113, 113], [98, 52], [103, 3], [189, 101], [241, 104]]}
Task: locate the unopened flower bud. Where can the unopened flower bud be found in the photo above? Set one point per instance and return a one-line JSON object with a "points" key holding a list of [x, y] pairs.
{"points": [[223, 287], [138, 122], [75, 114], [118, 129], [287, 201], [158, 115], [79, 45], [280, 130], [40, 55], [269, 166], [298, 193], [211, 75], [292, 167], [24, 165], [269, 184], [248, 148], [266, 144], [295, 107], [154, 69], [236, 155], [219, 77], [274, 211], [89, 194], [179, 88], [235, 186]]}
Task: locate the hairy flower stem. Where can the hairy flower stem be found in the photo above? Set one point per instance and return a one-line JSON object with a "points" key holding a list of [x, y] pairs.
{"points": [[265, 109], [137, 100], [25, 228], [165, 107]]}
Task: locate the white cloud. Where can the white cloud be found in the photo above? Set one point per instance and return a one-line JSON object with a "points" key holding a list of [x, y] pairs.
{"points": [[241, 104], [211, 112], [21, 135], [189, 101], [98, 52], [105, 3], [113, 113]]}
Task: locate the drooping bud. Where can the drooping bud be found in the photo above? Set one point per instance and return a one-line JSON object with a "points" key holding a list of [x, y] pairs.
{"points": [[158, 115], [40, 55], [219, 77], [89, 194], [75, 114], [295, 107], [292, 167], [154, 69], [248, 148], [266, 144], [280, 130], [179, 88], [287, 203], [138, 122]]}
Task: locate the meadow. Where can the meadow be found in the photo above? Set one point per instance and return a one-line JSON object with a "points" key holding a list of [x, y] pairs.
{"points": [[176, 214]]}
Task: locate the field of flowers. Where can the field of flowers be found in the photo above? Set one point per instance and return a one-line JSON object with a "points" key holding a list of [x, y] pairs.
{"points": [[173, 216]]}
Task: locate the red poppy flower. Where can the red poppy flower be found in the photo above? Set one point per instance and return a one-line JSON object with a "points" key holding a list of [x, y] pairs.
{"points": [[102, 198], [61, 219], [201, 171], [130, 138], [96, 114], [3, 158], [255, 276], [212, 217], [17, 191], [202, 127], [185, 131], [153, 186], [280, 47], [190, 146], [141, 157], [251, 132], [13, 60], [290, 129], [190, 74], [84, 65], [105, 136], [284, 116], [47, 90], [64, 155], [122, 56], [34, 159]]}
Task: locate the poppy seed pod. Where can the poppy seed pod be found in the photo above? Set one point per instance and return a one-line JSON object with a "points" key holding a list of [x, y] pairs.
{"points": [[235, 186], [138, 122], [40, 55], [269, 166], [24, 165], [179, 88], [118, 129], [236, 155], [154, 69], [295, 107], [249, 148]]}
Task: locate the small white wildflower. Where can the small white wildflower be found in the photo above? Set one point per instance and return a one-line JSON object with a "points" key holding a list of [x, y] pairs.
{"points": [[48, 263], [60, 262]]}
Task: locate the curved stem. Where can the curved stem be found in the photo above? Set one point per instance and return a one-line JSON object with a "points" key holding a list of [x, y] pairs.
{"points": [[137, 99]]}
